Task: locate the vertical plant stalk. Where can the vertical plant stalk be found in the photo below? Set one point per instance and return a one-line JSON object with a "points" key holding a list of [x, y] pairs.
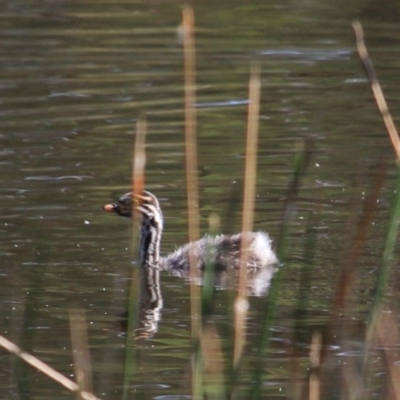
{"points": [[210, 341], [388, 336], [315, 361], [376, 88], [192, 188], [350, 263], [45, 369], [138, 179], [241, 303], [213, 362], [139, 156], [301, 162], [300, 313], [80, 347], [392, 233], [191, 155], [384, 272], [394, 220]]}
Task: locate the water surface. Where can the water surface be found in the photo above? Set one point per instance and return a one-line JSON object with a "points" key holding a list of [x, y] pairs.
{"points": [[74, 77]]}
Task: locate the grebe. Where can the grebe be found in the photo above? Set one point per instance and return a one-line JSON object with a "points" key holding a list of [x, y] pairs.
{"points": [[222, 251]]}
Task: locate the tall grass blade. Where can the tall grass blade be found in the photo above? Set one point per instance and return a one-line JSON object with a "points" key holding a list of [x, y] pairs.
{"points": [[192, 185], [79, 340], [301, 162], [45, 369], [138, 179], [389, 337], [393, 228], [376, 87], [315, 361], [208, 289], [191, 154], [357, 244], [387, 262], [300, 314], [241, 303], [210, 342]]}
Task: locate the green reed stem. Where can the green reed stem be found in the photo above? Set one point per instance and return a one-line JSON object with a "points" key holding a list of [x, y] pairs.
{"points": [[387, 261], [197, 373], [210, 344], [301, 161], [208, 288], [304, 292], [130, 350]]}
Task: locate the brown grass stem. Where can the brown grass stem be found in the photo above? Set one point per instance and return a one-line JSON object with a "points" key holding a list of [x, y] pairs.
{"points": [[139, 156], [79, 341], [213, 362], [138, 183], [376, 88], [45, 369], [250, 177], [191, 154], [315, 361], [382, 325], [357, 244], [192, 184]]}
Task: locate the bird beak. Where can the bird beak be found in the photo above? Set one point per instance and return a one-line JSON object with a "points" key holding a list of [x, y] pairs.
{"points": [[110, 207]]}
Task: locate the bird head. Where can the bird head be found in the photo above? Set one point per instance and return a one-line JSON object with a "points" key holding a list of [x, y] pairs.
{"points": [[145, 203]]}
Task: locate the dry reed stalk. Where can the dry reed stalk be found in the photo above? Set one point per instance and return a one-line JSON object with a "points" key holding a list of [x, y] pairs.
{"points": [[376, 88], [315, 361], [213, 361], [45, 369], [191, 156], [348, 272], [138, 179], [79, 341], [365, 221], [139, 157], [192, 185], [383, 325], [241, 303]]}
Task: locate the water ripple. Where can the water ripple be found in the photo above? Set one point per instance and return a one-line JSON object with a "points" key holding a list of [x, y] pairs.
{"points": [[56, 178], [309, 54], [227, 103]]}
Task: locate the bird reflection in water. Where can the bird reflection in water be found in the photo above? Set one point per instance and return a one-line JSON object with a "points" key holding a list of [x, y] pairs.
{"points": [[150, 304], [221, 251]]}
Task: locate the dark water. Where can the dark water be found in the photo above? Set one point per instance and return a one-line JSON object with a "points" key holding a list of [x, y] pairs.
{"points": [[75, 75]]}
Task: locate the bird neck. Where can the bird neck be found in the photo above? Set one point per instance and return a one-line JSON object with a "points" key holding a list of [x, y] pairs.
{"points": [[150, 240]]}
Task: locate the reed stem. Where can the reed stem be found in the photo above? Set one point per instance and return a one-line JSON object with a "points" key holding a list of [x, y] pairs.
{"points": [[81, 355], [376, 88], [192, 186], [191, 156], [138, 180], [301, 162], [250, 178], [45, 369]]}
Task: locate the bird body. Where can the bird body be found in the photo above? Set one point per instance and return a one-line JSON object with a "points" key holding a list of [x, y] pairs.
{"points": [[223, 252]]}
